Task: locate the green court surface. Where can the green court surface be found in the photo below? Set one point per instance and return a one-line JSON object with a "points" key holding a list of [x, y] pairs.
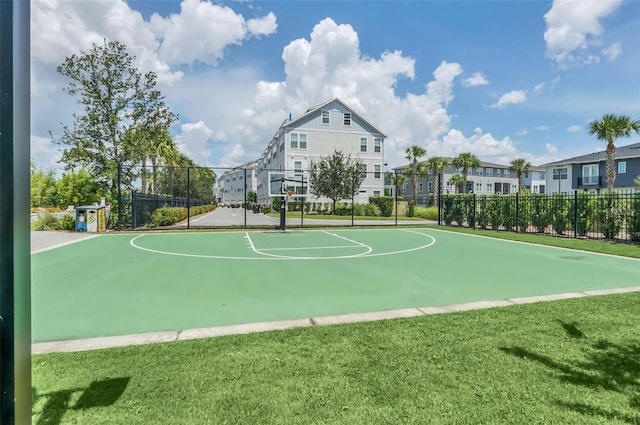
{"points": [[135, 283]]}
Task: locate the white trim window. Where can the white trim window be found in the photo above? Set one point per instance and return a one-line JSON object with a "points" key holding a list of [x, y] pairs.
{"points": [[377, 171], [297, 167], [590, 174], [363, 144], [325, 117], [347, 118], [622, 167], [498, 172], [560, 173], [478, 187], [490, 187], [489, 172], [363, 171], [377, 145], [298, 140], [420, 187]]}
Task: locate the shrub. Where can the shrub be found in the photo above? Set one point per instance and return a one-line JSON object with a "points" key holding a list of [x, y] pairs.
{"points": [[384, 204], [482, 216], [67, 222], [584, 213], [559, 212], [634, 220], [411, 209], [45, 221], [540, 215], [610, 215], [167, 216], [428, 213]]}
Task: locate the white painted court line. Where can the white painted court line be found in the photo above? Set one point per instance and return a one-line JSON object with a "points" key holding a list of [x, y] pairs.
{"points": [[59, 245], [182, 335]]}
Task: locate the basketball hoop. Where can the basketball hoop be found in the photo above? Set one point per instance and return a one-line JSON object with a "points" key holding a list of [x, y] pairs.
{"points": [[289, 195]]}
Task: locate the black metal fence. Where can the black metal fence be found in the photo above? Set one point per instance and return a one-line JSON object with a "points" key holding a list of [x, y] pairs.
{"points": [[612, 216], [143, 205]]}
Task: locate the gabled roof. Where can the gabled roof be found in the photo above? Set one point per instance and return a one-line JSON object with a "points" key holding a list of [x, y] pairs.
{"points": [[450, 162], [622, 152], [313, 109]]}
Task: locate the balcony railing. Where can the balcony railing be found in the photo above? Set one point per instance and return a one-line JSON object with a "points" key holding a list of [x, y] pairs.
{"points": [[590, 181]]}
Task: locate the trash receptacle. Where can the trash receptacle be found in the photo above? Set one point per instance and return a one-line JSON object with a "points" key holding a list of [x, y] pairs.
{"points": [[90, 219]]}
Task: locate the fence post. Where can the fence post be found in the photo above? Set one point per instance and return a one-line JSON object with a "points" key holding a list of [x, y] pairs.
{"points": [[517, 211], [474, 211], [439, 198], [395, 192], [245, 198], [188, 197], [575, 214]]}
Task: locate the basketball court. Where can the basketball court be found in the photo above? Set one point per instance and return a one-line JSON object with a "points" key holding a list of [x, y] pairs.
{"points": [[124, 284]]}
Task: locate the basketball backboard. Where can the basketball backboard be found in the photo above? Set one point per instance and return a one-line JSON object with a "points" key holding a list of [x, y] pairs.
{"points": [[297, 182]]}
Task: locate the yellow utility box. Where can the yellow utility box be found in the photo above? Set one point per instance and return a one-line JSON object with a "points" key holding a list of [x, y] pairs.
{"points": [[91, 219]]}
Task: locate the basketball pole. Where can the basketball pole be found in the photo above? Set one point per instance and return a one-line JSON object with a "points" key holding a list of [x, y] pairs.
{"points": [[15, 260], [283, 209]]}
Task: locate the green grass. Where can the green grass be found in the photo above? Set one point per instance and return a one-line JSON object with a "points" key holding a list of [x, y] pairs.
{"points": [[604, 247], [575, 361]]}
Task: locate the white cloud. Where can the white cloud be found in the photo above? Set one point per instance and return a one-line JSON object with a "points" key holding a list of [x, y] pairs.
{"points": [[195, 141], [538, 88], [522, 132], [477, 79], [612, 52], [550, 148], [573, 27], [542, 128], [513, 97], [263, 26], [574, 128]]}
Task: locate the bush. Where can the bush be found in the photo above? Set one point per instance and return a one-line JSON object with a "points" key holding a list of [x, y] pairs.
{"points": [[428, 213], [384, 204], [167, 216], [559, 213], [45, 221], [610, 215], [412, 209], [67, 222], [540, 214], [634, 220], [585, 213]]}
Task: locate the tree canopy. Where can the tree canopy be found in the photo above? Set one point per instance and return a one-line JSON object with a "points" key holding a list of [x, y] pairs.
{"points": [[519, 166], [117, 103], [336, 176]]}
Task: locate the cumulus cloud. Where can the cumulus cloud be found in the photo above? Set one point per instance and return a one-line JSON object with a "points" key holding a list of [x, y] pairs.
{"points": [[196, 140], [542, 128], [513, 97], [263, 26], [612, 52], [574, 128], [573, 28], [550, 148], [477, 79]]}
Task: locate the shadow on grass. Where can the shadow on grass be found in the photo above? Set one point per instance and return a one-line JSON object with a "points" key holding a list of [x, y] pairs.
{"points": [[604, 366], [98, 394]]}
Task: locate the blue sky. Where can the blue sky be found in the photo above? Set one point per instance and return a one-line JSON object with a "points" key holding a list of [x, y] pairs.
{"points": [[502, 79]]}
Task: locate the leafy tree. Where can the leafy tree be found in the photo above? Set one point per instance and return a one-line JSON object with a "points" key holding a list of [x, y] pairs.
{"points": [[163, 150], [519, 166], [201, 180], [466, 160], [77, 188], [413, 154], [456, 180], [437, 164], [44, 192], [336, 176], [396, 179], [610, 128], [117, 102], [636, 181], [252, 196]]}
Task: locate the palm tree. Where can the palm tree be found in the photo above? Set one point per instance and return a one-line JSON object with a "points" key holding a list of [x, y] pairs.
{"points": [[519, 166], [164, 148], [413, 154], [610, 128], [437, 164], [397, 180], [456, 180], [466, 160]]}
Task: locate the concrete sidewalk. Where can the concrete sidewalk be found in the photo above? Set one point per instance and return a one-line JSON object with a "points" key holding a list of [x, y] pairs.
{"points": [[46, 240]]}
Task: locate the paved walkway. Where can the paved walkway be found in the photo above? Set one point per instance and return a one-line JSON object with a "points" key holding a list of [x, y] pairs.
{"points": [[43, 241]]}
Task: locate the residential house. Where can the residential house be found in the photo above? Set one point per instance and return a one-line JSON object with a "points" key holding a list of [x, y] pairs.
{"points": [[587, 172], [317, 133], [489, 178], [534, 180], [236, 182]]}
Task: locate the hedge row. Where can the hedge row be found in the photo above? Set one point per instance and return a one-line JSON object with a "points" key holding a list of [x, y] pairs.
{"points": [[166, 216]]}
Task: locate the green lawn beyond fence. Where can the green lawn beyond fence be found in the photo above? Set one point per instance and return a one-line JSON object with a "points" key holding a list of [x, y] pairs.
{"points": [[587, 215]]}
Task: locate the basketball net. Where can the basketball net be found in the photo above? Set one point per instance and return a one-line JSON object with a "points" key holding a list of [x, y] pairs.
{"points": [[289, 195]]}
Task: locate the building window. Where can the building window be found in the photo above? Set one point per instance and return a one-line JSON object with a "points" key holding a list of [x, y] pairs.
{"points": [[363, 171], [514, 187], [325, 117], [347, 118], [559, 173], [297, 166], [294, 140], [377, 145], [377, 171], [363, 144], [622, 167], [497, 172], [478, 171], [489, 172], [489, 187], [590, 174], [420, 186], [507, 173], [376, 193], [478, 187], [303, 141], [535, 188]]}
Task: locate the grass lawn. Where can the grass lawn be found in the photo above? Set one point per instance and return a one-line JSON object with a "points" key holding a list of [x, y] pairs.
{"points": [[575, 361], [296, 214]]}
